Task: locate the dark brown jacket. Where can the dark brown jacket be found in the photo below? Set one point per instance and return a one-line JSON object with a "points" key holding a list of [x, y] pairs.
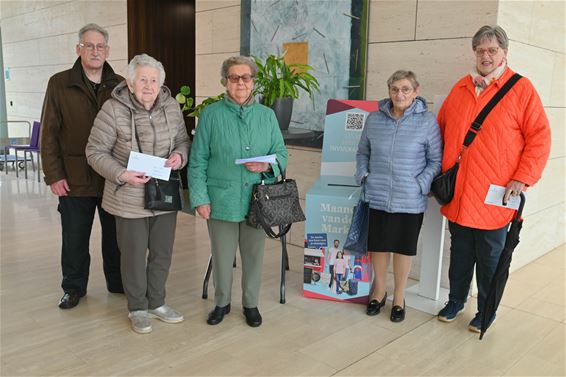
{"points": [[68, 113]]}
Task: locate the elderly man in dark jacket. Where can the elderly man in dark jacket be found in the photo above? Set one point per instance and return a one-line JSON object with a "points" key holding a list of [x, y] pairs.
{"points": [[72, 100]]}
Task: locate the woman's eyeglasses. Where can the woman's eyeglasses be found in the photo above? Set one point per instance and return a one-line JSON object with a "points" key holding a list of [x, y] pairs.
{"points": [[405, 90], [235, 78], [490, 51]]}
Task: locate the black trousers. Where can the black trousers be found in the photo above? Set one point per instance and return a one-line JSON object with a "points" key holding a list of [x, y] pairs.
{"points": [[77, 216]]}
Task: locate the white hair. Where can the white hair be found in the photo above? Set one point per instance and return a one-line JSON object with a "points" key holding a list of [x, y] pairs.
{"points": [[144, 60]]}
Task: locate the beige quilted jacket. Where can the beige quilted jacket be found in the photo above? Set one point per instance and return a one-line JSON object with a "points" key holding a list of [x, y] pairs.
{"points": [[161, 131]]}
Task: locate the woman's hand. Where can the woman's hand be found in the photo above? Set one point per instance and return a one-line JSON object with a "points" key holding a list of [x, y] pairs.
{"points": [[174, 161], [257, 167], [204, 211], [134, 178]]}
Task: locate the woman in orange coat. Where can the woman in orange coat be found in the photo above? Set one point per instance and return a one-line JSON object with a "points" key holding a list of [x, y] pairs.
{"points": [[510, 150]]}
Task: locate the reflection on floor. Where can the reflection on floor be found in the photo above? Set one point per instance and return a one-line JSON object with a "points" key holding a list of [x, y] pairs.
{"points": [[302, 337]]}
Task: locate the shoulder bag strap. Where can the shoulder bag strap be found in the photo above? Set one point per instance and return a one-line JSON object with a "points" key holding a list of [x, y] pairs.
{"points": [[477, 123]]}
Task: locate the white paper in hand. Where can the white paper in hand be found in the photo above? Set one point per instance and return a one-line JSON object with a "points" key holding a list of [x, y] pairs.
{"points": [[270, 158], [152, 166], [494, 197]]}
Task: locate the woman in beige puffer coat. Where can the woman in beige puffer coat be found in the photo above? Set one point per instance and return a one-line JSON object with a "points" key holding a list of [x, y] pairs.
{"points": [[144, 106]]}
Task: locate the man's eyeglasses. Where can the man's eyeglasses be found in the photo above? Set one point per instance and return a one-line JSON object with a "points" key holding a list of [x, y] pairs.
{"points": [[235, 78], [490, 51], [405, 90], [91, 47]]}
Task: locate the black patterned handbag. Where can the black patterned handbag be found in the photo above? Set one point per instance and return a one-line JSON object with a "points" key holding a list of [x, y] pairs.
{"points": [[275, 205]]}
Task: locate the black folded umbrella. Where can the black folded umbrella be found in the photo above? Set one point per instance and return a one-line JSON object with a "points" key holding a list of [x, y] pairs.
{"points": [[501, 274]]}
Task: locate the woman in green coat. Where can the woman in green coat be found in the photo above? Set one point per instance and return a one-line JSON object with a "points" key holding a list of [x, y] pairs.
{"points": [[234, 128]]}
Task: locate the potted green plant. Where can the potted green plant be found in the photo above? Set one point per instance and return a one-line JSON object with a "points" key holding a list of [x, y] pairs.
{"points": [[183, 97], [278, 84]]}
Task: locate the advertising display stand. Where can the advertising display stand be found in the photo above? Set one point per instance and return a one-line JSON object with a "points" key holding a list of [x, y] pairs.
{"points": [[329, 207], [329, 272]]}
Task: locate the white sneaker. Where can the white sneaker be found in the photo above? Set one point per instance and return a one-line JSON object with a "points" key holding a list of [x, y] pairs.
{"points": [[141, 322], [166, 314]]}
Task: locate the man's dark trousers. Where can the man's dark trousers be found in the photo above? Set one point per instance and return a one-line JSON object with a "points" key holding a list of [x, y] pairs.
{"points": [[77, 216]]}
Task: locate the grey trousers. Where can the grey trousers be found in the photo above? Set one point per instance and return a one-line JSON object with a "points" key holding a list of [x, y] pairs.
{"points": [[225, 238], [144, 274]]}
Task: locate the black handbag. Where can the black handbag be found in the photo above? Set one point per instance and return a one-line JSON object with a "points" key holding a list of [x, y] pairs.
{"points": [[275, 204], [161, 195], [444, 184], [357, 239]]}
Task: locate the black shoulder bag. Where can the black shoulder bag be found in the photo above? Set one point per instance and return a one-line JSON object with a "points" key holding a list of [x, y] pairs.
{"points": [[161, 195], [444, 184], [275, 205]]}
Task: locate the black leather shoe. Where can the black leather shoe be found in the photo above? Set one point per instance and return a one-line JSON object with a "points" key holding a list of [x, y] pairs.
{"points": [[217, 315], [398, 313], [374, 306], [69, 300], [253, 318], [117, 289]]}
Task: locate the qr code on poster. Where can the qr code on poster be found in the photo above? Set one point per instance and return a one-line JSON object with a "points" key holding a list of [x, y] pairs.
{"points": [[355, 121]]}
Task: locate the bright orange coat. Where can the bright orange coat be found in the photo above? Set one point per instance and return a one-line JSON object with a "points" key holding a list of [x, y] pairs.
{"points": [[513, 143]]}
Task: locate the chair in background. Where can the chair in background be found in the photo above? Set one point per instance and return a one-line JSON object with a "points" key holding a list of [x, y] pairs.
{"points": [[32, 147], [284, 268]]}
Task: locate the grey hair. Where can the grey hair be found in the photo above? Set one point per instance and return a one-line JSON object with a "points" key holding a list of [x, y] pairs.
{"points": [[488, 33], [236, 60], [93, 27], [401, 75], [144, 60]]}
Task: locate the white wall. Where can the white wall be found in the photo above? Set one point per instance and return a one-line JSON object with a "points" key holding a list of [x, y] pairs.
{"points": [[39, 39]]}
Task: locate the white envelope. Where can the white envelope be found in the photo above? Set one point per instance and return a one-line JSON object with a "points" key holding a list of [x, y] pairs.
{"points": [[494, 197], [152, 166]]}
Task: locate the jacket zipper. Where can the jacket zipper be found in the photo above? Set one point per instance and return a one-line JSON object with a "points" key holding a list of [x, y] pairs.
{"points": [[391, 165]]}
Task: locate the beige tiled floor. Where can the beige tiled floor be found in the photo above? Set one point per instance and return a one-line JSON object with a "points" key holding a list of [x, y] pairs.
{"points": [[302, 337]]}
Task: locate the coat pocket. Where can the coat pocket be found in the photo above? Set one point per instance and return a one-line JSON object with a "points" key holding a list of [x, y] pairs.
{"points": [[77, 170]]}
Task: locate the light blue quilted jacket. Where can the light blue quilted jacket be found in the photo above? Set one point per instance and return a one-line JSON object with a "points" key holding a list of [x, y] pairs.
{"points": [[399, 157]]}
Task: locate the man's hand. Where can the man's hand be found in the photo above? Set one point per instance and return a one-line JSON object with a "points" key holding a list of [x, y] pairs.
{"points": [[174, 162], [204, 211], [513, 188], [60, 188], [257, 167], [134, 178]]}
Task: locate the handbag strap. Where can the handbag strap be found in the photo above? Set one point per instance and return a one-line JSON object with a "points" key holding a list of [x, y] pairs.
{"points": [[478, 122]]}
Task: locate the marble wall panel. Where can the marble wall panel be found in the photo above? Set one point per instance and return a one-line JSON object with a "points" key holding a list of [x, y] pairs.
{"points": [[218, 31], [207, 5], [516, 17], [28, 105], [541, 233], [59, 49], [208, 73], [536, 64], [392, 20], [61, 19], [557, 119], [453, 19], [548, 29], [557, 89], [12, 8], [438, 64]]}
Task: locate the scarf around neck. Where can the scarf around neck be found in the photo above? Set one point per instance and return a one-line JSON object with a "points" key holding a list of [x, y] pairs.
{"points": [[481, 82]]}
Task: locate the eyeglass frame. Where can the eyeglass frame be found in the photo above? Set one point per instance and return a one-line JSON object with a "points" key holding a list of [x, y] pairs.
{"points": [[481, 51], [234, 79], [92, 47], [394, 90]]}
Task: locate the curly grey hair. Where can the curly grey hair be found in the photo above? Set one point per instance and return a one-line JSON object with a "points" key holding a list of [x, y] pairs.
{"points": [[144, 60], [93, 27], [488, 33], [236, 60], [401, 75]]}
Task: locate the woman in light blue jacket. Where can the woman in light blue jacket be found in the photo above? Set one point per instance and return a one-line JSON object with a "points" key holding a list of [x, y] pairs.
{"points": [[399, 154]]}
